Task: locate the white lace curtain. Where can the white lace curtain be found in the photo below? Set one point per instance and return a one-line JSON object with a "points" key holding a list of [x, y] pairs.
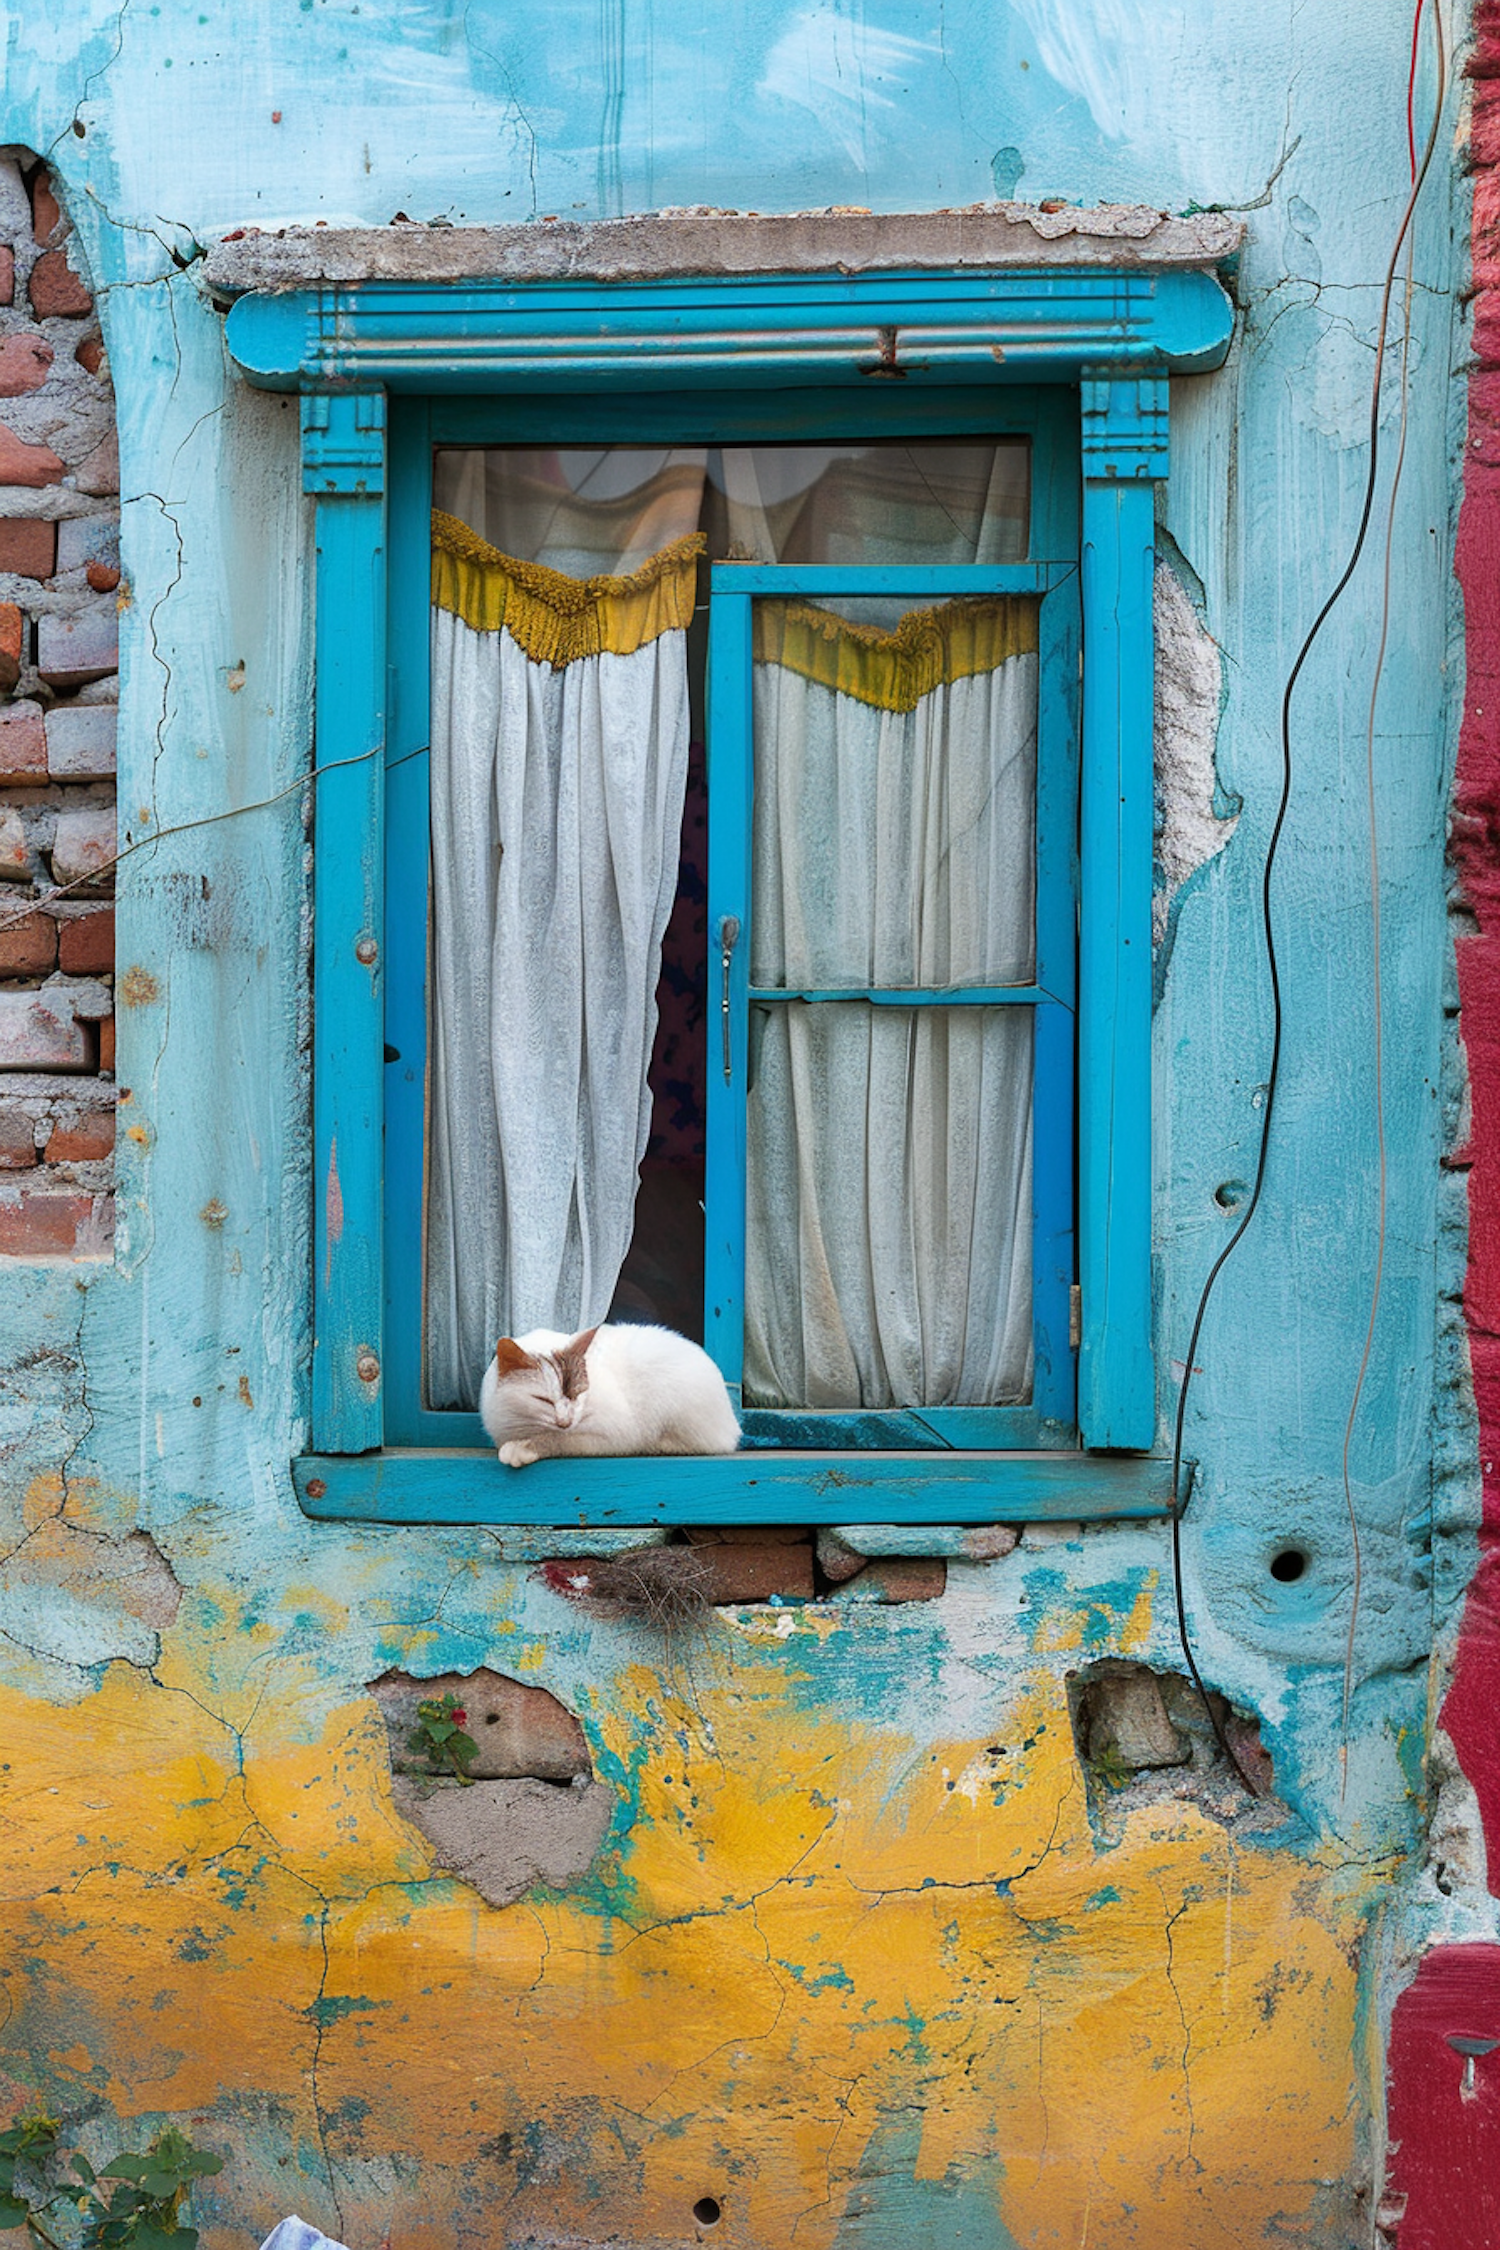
{"points": [[559, 757], [889, 1168], [890, 1149]]}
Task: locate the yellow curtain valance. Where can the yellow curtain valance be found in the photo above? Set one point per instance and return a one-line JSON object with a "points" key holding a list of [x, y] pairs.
{"points": [[894, 670], [554, 618]]}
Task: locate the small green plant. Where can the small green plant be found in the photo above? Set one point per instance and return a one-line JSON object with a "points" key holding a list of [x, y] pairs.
{"points": [[142, 2212], [1112, 1769], [439, 1735]]}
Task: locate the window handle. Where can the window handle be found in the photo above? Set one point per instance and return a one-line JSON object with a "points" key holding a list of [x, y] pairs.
{"points": [[729, 937]]}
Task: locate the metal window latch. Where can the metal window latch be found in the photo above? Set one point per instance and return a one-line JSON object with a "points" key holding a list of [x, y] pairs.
{"points": [[729, 937], [1075, 1317]]}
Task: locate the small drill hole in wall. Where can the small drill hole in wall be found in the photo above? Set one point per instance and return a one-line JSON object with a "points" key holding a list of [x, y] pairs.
{"points": [[707, 2211], [1230, 1194], [1288, 1565]]}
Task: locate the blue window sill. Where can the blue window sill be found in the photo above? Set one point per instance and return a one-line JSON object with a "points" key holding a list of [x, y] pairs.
{"points": [[741, 1488]]}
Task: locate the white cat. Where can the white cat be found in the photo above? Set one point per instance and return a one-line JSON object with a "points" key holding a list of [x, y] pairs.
{"points": [[609, 1390]]}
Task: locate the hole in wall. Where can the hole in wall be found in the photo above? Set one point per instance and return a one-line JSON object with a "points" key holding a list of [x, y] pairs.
{"points": [[1230, 1194], [1289, 1564], [707, 2211]]}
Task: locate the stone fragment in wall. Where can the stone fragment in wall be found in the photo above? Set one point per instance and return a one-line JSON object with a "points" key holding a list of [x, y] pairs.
{"points": [[24, 363], [84, 845], [89, 1000], [17, 1141], [7, 275], [1127, 1723], [24, 464], [15, 853], [86, 942], [28, 546], [81, 741], [55, 290], [836, 1561], [72, 650], [505, 1837], [896, 1578], [39, 1031], [23, 744], [99, 475], [521, 1731], [28, 948], [90, 355]]}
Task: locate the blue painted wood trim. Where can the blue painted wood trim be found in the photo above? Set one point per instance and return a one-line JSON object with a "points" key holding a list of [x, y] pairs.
{"points": [[730, 785], [922, 583], [913, 995], [1048, 325], [343, 466], [408, 774], [804, 1488], [1124, 436], [1046, 415]]}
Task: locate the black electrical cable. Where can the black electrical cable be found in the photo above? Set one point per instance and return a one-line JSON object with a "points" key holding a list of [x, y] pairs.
{"points": [[1273, 966]]}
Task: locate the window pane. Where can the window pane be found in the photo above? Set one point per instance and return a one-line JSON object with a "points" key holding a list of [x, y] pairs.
{"points": [[889, 1206], [895, 797], [611, 507]]}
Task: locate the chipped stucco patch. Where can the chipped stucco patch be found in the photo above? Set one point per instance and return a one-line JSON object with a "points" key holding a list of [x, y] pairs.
{"points": [[1194, 820]]}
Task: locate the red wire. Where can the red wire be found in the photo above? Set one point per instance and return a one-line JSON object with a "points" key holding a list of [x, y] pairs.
{"points": [[1411, 91]]}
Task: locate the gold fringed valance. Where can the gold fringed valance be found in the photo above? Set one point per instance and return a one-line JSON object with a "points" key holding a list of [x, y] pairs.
{"points": [[894, 670], [554, 618]]}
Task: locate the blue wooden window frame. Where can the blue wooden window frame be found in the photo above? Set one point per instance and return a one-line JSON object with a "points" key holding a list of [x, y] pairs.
{"points": [[1048, 1419], [426, 364]]}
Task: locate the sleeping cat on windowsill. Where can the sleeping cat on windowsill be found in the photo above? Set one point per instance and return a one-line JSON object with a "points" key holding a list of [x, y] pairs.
{"points": [[611, 1390]]}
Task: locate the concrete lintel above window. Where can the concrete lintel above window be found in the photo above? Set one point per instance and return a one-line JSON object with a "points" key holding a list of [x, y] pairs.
{"points": [[668, 245], [774, 320]]}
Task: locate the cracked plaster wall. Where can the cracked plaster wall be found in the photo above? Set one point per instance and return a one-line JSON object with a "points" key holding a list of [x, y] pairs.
{"points": [[853, 1958]]}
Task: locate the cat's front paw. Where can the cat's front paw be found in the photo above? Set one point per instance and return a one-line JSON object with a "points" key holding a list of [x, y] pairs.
{"points": [[516, 1454]]}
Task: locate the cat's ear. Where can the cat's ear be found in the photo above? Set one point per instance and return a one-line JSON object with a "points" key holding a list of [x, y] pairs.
{"points": [[510, 1359], [571, 1363]]}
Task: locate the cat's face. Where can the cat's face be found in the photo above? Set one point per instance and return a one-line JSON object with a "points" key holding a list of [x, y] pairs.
{"points": [[544, 1390]]}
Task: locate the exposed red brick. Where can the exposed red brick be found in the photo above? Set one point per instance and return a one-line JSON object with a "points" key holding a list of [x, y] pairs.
{"points": [[44, 208], [88, 1141], [11, 628], [41, 1223], [28, 948], [17, 1143], [100, 473], [753, 1574], [21, 463], [107, 1044], [55, 289], [24, 363], [90, 354], [103, 577], [23, 744], [7, 275], [86, 943], [28, 547]]}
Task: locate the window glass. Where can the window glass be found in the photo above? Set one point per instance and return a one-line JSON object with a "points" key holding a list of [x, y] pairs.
{"points": [[894, 846]]}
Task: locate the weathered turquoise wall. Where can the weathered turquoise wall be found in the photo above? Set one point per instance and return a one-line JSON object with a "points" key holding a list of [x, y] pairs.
{"points": [[223, 1773]]}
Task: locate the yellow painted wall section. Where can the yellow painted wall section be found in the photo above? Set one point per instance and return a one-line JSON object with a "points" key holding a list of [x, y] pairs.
{"points": [[860, 1981]]}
